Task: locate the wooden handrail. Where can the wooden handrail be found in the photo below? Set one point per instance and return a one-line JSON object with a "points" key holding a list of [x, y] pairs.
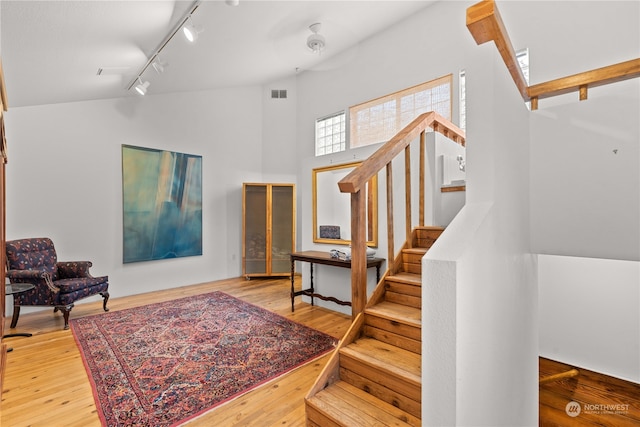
{"points": [[601, 76], [356, 181], [562, 375], [485, 24], [3, 92]]}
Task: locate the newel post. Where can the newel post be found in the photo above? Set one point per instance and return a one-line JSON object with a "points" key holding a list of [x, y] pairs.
{"points": [[358, 254]]}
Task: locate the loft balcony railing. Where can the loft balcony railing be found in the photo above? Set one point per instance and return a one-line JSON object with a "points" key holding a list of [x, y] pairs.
{"points": [[485, 24]]}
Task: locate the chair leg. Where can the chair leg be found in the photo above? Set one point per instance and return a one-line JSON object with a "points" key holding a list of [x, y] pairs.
{"points": [[105, 295], [65, 309], [16, 314]]}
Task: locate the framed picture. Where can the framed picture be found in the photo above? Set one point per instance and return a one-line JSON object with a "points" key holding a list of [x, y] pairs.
{"points": [[162, 204]]}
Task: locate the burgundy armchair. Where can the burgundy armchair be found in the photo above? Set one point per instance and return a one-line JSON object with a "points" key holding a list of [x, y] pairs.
{"points": [[57, 284]]}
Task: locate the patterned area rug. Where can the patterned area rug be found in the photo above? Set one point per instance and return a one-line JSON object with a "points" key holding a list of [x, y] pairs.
{"points": [[163, 364]]}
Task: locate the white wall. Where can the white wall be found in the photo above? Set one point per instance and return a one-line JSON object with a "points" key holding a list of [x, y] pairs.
{"points": [[497, 312], [479, 279], [279, 148], [441, 274], [590, 314], [585, 188], [64, 178]]}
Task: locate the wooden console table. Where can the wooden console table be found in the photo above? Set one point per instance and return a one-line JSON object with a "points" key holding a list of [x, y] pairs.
{"points": [[318, 257]]}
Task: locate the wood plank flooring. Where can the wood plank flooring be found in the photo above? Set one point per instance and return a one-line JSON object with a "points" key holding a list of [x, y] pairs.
{"points": [[604, 400], [46, 383]]}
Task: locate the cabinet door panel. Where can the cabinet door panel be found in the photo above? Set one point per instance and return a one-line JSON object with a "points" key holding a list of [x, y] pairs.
{"points": [[255, 223], [282, 227]]}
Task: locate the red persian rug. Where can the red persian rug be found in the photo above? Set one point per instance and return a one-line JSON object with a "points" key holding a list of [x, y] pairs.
{"points": [[163, 364]]}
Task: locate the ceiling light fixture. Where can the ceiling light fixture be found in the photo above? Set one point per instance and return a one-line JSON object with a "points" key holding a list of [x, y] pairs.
{"points": [[141, 87], [190, 30], [154, 58], [159, 65], [316, 41], [232, 2]]}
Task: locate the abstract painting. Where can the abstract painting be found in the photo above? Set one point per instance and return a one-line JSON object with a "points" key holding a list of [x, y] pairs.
{"points": [[162, 204]]}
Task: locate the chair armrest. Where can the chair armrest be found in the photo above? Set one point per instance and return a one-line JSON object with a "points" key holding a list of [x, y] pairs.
{"points": [[73, 269], [35, 277], [26, 276]]}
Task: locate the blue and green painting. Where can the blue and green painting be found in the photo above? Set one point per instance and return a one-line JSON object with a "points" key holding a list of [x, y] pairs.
{"points": [[162, 204]]}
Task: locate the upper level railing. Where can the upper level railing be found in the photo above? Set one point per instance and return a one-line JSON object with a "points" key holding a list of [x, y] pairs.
{"points": [[485, 24], [356, 181]]}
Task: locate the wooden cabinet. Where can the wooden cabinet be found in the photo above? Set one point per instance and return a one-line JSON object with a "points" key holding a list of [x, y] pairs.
{"points": [[268, 229]]}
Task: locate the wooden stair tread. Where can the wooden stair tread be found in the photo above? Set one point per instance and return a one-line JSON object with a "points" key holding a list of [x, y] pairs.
{"points": [[355, 407], [417, 250], [429, 227], [397, 312], [386, 357], [404, 277], [403, 288]]}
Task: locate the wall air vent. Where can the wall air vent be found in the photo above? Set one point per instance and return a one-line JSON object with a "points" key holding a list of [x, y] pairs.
{"points": [[278, 93]]}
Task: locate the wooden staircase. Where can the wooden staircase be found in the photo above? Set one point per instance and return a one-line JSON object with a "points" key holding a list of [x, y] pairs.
{"points": [[374, 377]]}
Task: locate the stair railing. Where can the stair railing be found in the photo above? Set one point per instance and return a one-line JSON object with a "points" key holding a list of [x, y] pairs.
{"points": [[485, 24], [356, 182], [561, 376]]}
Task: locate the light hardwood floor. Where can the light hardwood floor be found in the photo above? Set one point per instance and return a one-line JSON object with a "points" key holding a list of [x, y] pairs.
{"points": [[46, 383], [604, 400]]}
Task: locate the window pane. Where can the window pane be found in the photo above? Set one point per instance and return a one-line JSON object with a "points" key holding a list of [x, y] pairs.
{"points": [[330, 134], [379, 120], [463, 100]]}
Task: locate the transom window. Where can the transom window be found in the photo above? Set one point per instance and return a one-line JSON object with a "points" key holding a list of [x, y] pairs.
{"points": [[379, 120]]}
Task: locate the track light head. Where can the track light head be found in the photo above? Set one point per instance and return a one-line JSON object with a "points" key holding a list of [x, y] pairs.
{"points": [[141, 87], [159, 65], [191, 31]]}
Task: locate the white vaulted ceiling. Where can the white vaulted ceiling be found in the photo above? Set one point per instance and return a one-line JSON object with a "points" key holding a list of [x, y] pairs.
{"points": [[52, 50]]}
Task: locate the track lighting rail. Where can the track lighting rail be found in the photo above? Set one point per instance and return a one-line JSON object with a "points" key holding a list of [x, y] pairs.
{"points": [[162, 45]]}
